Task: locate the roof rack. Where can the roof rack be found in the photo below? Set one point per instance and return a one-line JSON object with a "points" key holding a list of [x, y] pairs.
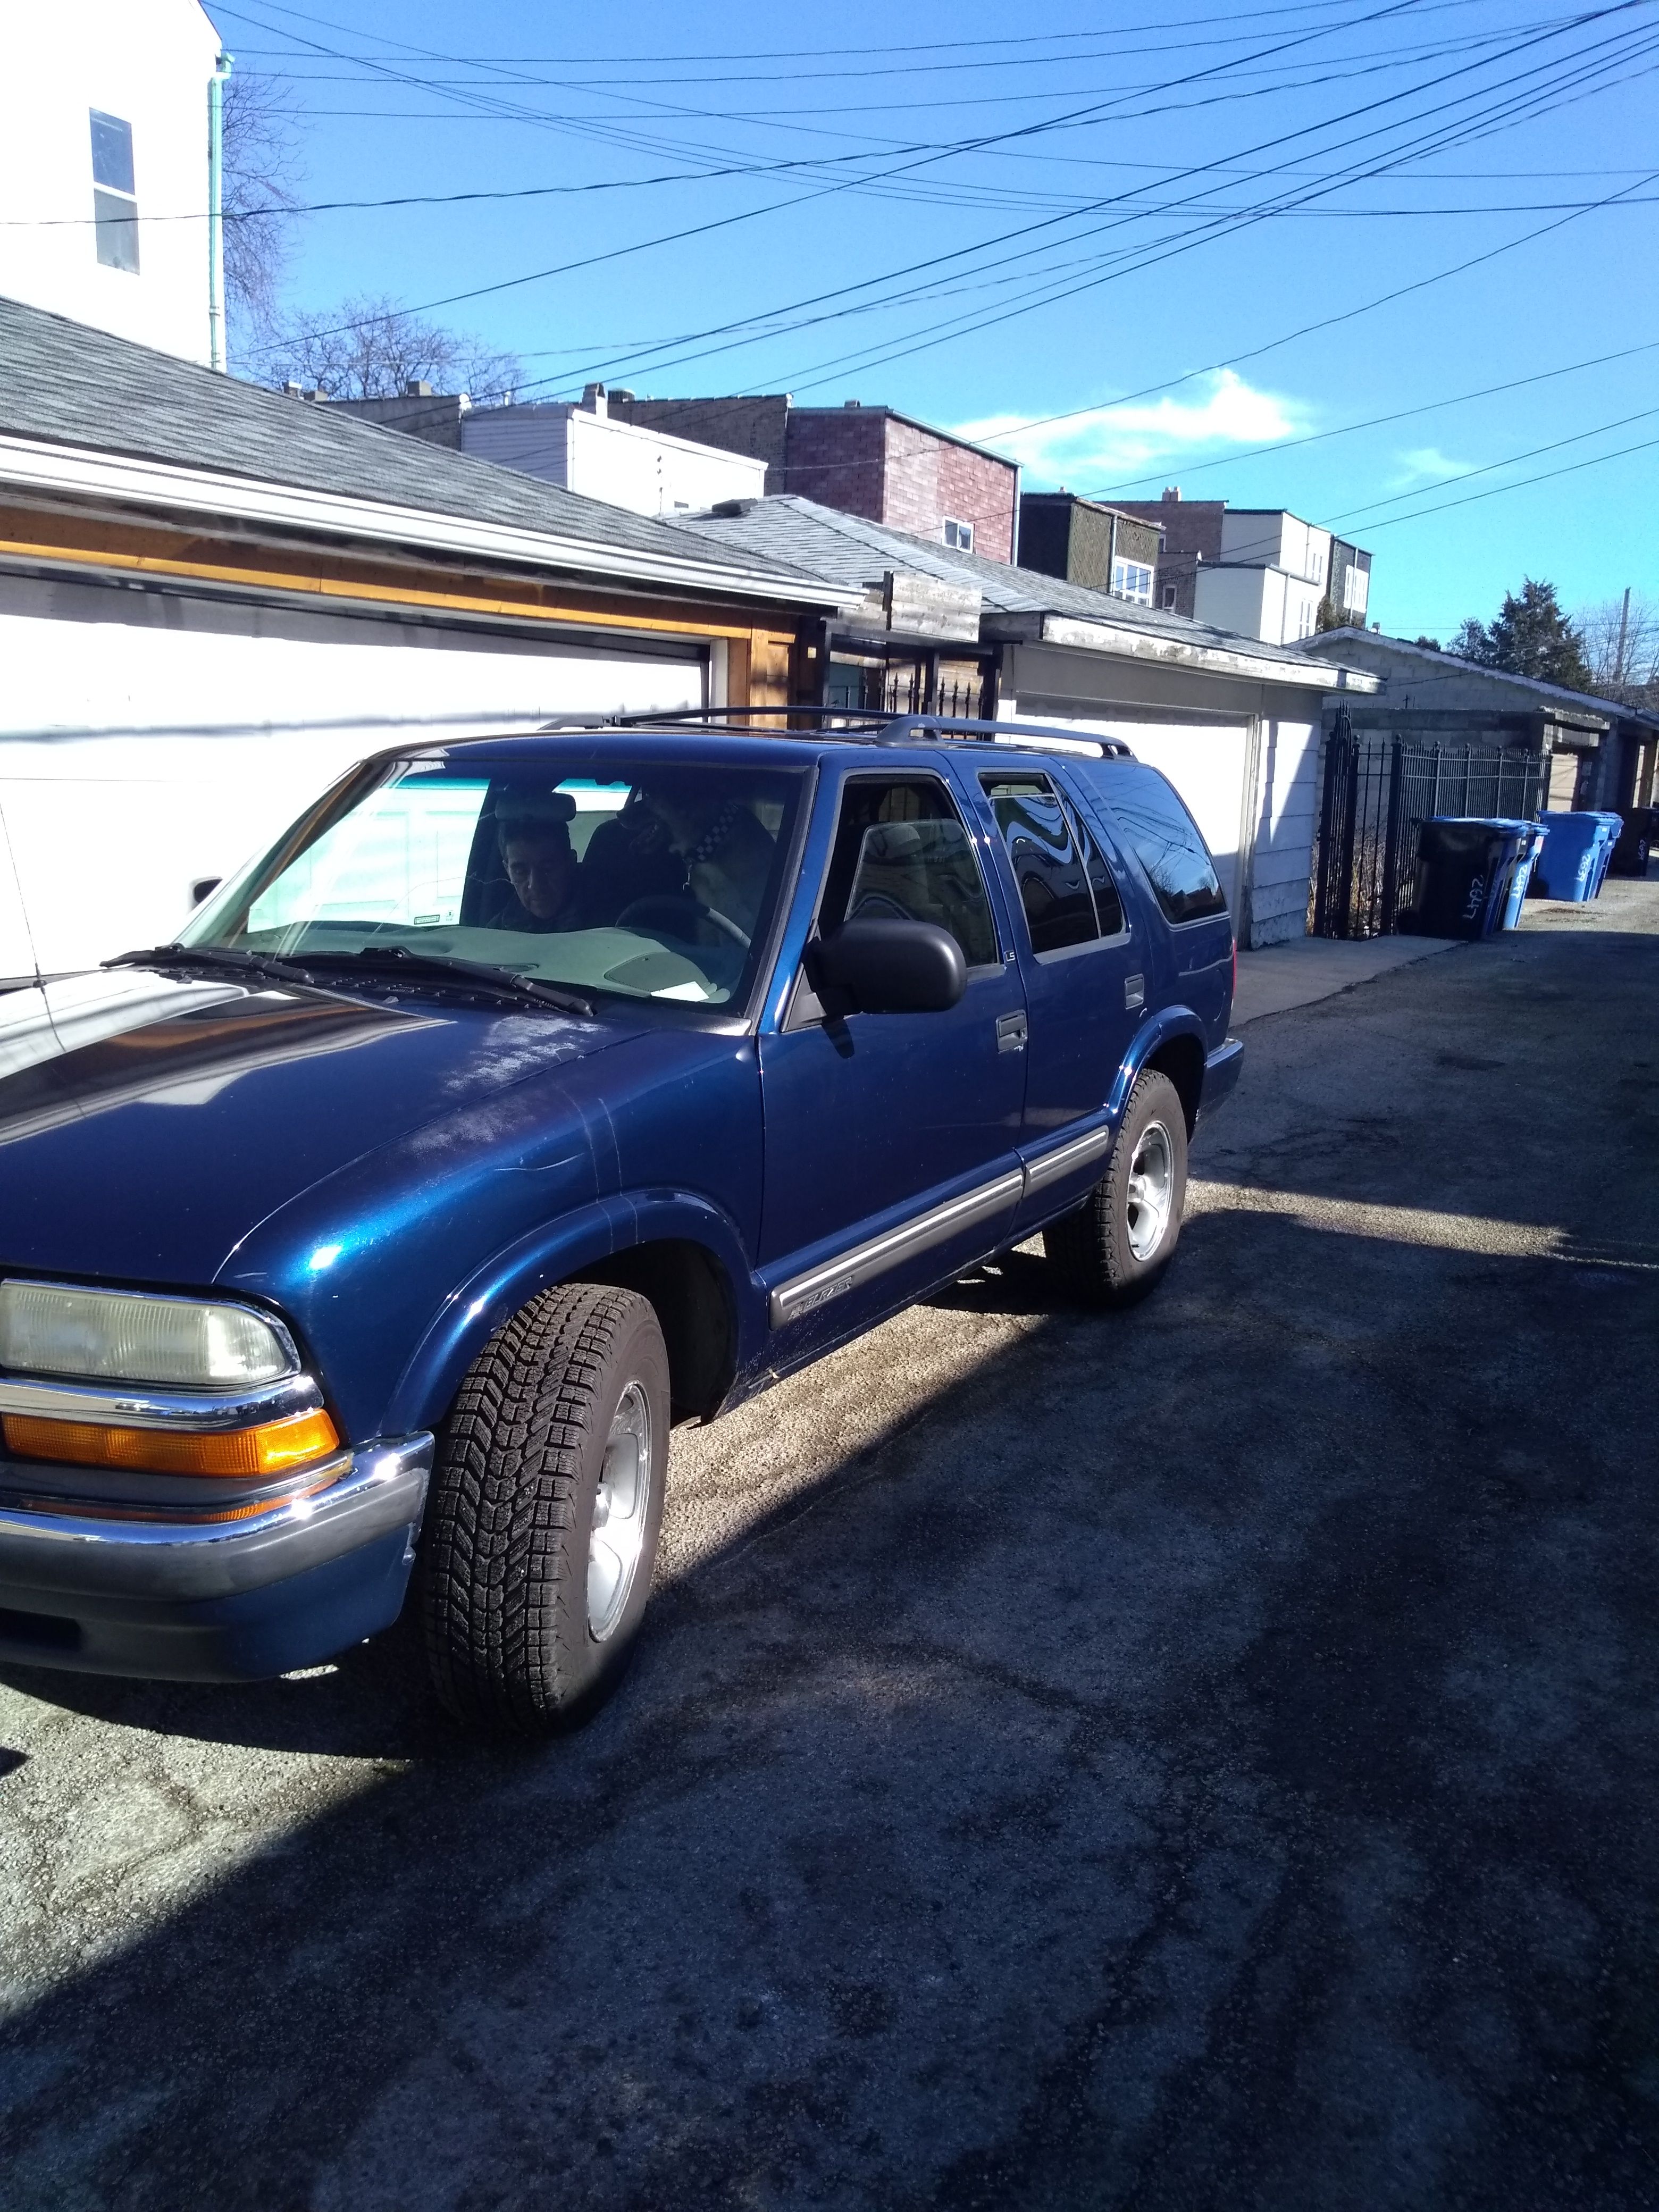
{"points": [[862, 725]]}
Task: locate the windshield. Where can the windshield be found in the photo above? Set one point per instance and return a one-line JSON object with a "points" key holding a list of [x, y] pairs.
{"points": [[651, 879]]}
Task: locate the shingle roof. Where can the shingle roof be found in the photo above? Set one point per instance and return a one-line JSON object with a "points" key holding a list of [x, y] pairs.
{"points": [[64, 383], [1408, 659], [849, 550]]}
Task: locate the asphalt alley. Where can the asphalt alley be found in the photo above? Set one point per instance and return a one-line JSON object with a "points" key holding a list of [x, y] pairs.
{"points": [[1199, 1758]]}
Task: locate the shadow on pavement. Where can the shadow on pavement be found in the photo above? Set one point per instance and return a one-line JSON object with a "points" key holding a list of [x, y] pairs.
{"points": [[1206, 1762]]}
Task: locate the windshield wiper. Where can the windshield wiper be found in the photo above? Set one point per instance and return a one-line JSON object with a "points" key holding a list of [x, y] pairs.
{"points": [[272, 964], [386, 959], [395, 958]]}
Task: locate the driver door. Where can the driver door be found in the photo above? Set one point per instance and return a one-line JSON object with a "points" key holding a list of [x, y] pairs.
{"points": [[890, 1154]]}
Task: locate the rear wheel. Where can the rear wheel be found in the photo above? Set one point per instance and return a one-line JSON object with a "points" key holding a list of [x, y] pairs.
{"points": [[1112, 1250], [546, 1503]]}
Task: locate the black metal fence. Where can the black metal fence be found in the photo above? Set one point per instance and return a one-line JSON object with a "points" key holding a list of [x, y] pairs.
{"points": [[1378, 794]]}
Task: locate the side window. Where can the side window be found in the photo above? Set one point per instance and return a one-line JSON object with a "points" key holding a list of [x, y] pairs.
{"points": [[1151, 819], [1108, 907], [901, 852], [114, 208], [1060, 883]]}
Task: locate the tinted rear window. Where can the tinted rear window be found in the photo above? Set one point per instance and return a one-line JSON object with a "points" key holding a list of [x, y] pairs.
{"points": [[1165, 839]]}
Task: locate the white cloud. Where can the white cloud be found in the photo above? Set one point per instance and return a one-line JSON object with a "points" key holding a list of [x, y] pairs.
{"points": [[1112, 444], [1426, 465]]}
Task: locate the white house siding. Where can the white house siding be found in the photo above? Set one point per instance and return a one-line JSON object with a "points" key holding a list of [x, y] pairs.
{"points": [[148, 66], [1286, 796], [148, 739], [621, 463]]}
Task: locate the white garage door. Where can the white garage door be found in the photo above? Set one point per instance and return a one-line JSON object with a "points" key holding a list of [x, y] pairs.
{"points": [[147, 739], [1207, 762]]}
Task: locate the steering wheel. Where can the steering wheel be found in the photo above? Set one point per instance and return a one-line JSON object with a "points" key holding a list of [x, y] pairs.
{"points": [[670, 910]]}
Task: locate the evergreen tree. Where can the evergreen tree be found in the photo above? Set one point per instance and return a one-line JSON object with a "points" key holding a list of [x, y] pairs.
{"points": [[1530, 636]]}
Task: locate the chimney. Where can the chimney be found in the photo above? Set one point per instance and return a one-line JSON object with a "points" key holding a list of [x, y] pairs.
{"points": [[852, 403], [417, 387], [595, 400], [1172, 491]]}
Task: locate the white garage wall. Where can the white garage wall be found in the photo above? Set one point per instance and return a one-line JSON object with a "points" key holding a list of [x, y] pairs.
{"points": [[1287, 788], [147, 739]]}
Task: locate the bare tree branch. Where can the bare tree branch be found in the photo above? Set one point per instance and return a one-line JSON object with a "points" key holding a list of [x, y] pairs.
{"points": [[263, 174], [382, 349], [1631, 676]]}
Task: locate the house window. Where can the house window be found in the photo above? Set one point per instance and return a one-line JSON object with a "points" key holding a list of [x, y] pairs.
{"points": [[1132, 580], [1169, 597], [114, 206], [959, 534]]}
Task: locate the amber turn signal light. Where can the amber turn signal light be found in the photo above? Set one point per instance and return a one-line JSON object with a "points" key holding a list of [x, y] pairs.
{"points": [[247, 1453]]}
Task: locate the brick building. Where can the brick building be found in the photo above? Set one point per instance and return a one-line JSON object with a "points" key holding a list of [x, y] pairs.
{"points": [[1106, 547], [1259, 570], [1191, 530], [868, 461]]}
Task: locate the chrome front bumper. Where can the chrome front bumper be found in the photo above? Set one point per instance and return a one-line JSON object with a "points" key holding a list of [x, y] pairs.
{"points": [[216, 1599]]}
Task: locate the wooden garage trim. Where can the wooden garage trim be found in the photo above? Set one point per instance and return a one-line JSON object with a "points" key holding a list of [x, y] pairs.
{"points": [[759, 660]]}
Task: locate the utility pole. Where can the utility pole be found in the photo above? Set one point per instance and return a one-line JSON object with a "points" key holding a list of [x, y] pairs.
{"points": [[216, 212], [1624, 631]]}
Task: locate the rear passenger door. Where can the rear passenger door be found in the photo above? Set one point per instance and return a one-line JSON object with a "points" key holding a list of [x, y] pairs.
{"points": [[891, 1139], [1084, 968]]}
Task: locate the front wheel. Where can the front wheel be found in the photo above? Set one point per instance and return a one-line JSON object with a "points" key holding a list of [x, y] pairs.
{"points": [[546, 1503], [1112, 1250]]}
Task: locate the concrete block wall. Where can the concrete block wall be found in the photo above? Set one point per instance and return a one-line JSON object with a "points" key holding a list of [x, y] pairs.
{"points": [[756, 425]]}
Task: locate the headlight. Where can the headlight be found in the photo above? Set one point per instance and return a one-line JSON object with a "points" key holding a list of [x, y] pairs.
{"points": [[48, 1328]]}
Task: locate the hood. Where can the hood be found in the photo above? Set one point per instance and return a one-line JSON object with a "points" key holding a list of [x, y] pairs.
{"points": [[148, 1122]]}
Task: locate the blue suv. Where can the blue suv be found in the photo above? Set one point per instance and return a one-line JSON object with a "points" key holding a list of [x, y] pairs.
{"points": [[530, 1095]]}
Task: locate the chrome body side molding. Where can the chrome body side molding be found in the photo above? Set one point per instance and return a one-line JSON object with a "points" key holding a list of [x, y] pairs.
{"points": [[804, 1294], [1076, 1153]]}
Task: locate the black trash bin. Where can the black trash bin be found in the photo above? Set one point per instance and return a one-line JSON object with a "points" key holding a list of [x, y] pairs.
{"points": [[1463, 872]]}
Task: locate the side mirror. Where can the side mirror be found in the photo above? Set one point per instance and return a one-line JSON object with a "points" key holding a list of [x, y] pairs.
{"points": [[896, 967], [203, 887]]}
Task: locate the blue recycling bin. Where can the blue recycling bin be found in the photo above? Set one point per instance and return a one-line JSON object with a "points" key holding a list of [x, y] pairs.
{"points": [[1576, 850], [1467, 867], [1521, 874]]}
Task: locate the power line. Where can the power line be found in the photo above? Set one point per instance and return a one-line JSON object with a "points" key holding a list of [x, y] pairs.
{"points": [[660, 356], [1393, 8], [1357, 515], [1376, 421], [1546, 476]]}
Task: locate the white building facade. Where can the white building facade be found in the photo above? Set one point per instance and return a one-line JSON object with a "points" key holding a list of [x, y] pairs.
{"points": [[104, 167], [1274, 572], [586, 449]]}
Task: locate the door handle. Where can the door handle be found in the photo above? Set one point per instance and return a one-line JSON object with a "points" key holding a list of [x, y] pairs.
{"points": [[1011, 1032]]}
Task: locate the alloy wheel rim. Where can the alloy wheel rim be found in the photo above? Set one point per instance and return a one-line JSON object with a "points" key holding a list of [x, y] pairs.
{"points": [[1152, 1190], [621, 1505]]}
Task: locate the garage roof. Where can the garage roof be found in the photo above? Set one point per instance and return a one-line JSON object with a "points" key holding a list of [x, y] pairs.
{"points": [[174, 434], [1016, 602]]}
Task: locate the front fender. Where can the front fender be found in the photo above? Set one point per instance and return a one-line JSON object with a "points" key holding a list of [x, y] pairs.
{"points": [[552, 1254]]}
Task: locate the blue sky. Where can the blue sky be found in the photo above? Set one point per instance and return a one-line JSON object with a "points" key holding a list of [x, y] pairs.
{"points": [[1154, 224]]}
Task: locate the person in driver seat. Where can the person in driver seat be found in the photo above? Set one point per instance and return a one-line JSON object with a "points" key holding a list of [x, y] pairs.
{"points": [[542, 889], [726, 854]]}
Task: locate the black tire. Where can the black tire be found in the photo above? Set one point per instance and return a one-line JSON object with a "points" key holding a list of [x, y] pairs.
{"points": [[510, 1634], [1093, 1248]]}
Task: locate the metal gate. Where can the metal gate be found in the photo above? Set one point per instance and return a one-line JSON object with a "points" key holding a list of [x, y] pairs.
{"points": [[1379, 792]]}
